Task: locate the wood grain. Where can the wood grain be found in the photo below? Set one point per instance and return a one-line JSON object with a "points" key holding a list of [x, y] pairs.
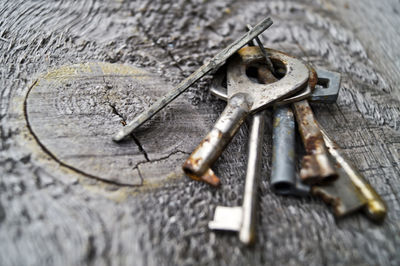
{"points": [[73, 111], [52, 216]]}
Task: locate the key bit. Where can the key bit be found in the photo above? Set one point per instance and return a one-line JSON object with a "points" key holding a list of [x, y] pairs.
{"points": [[244, 97], [327, 87], [341, 194], [374, 207], [213, 64]]}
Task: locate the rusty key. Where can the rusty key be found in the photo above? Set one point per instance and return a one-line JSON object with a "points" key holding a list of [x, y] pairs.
{"points": [[316, 167], [244, 97]]}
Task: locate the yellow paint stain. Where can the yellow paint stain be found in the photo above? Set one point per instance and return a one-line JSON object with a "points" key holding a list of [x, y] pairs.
{"points": [[118, 69], [65, 73], [227, 10]]}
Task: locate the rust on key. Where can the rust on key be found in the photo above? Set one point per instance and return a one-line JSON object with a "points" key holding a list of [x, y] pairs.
{"points": [[316, 167], [193, 162]]}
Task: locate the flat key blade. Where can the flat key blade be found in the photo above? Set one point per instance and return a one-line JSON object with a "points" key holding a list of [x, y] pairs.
{"points": [[342, 195], [214, 63], [226, 218]]}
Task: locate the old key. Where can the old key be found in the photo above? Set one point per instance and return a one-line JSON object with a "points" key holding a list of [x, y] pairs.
{"points": [[242, 218], [244, 97]]}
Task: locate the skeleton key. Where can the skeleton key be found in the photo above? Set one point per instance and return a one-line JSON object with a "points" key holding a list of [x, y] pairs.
{"points": [[244, 97], [367, 198], [242, 219], [217, 61]]}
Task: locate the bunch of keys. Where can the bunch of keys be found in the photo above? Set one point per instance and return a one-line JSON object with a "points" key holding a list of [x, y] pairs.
{"points": [[341, 185], [324, 171]]}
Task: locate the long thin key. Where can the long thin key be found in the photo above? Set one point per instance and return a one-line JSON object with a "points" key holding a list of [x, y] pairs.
{"points": [[243, 219], [214, 63], [244, 97]]}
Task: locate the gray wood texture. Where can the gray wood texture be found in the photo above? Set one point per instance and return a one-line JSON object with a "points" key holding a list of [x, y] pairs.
{"points": [[69, 196]]}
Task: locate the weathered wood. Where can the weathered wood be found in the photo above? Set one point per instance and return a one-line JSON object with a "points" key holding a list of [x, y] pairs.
{"points": [[51, 215], [73, 111]]}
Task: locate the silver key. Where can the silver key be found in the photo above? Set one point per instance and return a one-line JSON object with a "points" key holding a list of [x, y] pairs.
{"points": [[242, 219], [244, 97], [213, 64]]}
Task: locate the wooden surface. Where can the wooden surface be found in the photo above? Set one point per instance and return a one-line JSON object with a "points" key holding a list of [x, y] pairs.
{"points": [[56, 208]]}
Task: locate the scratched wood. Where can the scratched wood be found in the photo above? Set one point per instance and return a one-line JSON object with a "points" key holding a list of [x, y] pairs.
{"points": [[56, 210]]}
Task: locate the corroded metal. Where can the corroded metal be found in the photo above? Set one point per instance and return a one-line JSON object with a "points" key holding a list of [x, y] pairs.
{"points": [[213, 64], [284, 179], [375, 207], [197, 166], [244, 93], [316, 167], [265, 53]]}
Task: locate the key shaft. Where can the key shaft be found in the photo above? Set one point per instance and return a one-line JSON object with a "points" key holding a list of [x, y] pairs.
{"points": [[253, 171], [199, 162]]}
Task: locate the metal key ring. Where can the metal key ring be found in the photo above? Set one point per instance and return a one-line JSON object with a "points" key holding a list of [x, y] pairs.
{"points": [[218, 90]]}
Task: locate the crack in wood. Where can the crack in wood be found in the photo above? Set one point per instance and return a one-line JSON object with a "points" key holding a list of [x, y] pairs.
{"points": [[55, 158], [135, 139]]}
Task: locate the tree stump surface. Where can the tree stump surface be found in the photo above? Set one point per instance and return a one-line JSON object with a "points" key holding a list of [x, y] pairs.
{"points": [[72, 73]]}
